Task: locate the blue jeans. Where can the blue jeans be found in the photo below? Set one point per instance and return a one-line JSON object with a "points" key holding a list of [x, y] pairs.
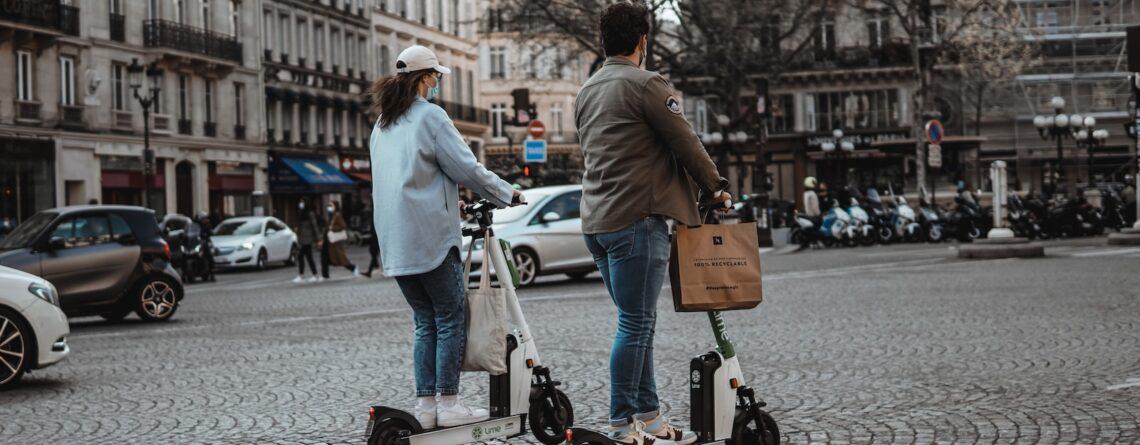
{"points": [[633, 262], [439, 312]]}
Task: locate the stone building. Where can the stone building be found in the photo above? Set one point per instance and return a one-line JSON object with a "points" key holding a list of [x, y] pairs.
{"points": [[73, 131]]}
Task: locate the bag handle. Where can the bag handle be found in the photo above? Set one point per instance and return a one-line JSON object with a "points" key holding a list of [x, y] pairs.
{"points": [[467, 264], [485, 268]]}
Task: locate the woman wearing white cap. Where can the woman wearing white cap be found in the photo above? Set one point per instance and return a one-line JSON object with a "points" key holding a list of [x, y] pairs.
{"points": [[418, 157]]}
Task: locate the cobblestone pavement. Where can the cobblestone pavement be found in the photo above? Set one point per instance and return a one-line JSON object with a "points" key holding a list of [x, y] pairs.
{"points": [[900, 344]]}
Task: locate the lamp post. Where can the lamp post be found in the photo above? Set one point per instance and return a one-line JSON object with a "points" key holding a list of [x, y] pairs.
{"points": [[1089, 138], [845, 148], [1057, 127], [146, 100]]}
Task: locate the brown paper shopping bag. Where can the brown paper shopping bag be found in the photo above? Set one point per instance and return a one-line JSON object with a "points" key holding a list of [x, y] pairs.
{"points": [[715, 267]]}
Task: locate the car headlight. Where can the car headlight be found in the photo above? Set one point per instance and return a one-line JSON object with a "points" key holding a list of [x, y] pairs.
{"points": [[246, 246], [45, 292]]}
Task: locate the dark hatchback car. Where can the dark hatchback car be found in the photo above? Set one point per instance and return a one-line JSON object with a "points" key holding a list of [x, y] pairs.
{"points": [[104, 260]]}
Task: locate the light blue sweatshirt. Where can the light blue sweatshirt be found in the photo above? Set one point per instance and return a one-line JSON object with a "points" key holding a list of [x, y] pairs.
{"points": [[416, 163]]}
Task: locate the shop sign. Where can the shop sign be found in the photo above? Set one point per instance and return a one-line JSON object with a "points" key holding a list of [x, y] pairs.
{"points": [[351, 164], [860, 140]]}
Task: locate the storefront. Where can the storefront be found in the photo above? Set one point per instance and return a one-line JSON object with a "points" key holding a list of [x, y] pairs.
{"points": [[292, 178], [27, 178], [356, 205], [122, 182], [231, 188]]}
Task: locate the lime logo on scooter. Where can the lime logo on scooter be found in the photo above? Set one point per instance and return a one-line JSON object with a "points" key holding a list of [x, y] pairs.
{"points": [[695, 377], [477, 433]]}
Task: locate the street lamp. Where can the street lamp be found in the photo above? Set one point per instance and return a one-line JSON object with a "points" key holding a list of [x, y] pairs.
{"points": [[1058, 127], [1089, 138], [146, 100]]}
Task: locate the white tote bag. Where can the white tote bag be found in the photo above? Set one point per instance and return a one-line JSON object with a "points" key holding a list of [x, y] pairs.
{"points": [[337, 236], [486, 321]]}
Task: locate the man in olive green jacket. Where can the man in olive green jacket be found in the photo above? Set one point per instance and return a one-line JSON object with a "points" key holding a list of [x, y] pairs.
{"points": [[642, 158]]}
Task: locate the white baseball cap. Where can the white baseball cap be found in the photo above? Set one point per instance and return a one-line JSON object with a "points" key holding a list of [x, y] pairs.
{"points": [[417, 58]]}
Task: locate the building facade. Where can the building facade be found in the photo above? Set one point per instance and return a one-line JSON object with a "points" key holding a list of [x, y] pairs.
{"points": [[552, 73], [71, 122]]}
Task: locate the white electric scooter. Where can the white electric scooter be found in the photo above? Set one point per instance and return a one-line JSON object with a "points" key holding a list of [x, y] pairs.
{"points": [[723, 410], [524, 393]]}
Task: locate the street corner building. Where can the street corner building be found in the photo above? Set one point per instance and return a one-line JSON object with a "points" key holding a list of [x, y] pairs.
{"points": [[73, 130]]}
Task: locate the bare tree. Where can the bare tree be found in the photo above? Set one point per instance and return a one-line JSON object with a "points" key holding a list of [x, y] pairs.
{"points": [[992, 55]]}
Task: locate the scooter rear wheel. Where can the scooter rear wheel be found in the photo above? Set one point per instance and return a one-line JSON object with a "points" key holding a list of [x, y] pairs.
{"points": [[548, 425], [754, 430], [389, 432]]}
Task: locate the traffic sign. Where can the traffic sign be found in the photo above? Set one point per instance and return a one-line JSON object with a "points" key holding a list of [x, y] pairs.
{"points": [[536, 129], [934, 155], [934, 131], [534, 151]]}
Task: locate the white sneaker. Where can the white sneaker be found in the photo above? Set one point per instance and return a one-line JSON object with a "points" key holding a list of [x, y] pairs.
{"points": [[459, 414], [426, 417], [311, 280], [631, 435], [666, 434], [299, 280], [320, 279], [356, 271]]}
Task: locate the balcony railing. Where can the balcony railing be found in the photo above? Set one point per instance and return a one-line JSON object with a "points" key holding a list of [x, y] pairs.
{"points": [[124, 120], [118, 27], [165, 33], [239, 132], [466, 113], [184, 126], [51, 14], [210, 129], [161, 123], [71, 117], [28, 111]]}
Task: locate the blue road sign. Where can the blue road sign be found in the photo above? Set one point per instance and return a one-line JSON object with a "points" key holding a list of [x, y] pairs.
{"points": [[535, 151]]}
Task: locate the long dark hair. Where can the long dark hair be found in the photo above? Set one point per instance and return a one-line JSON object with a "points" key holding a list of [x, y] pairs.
{"points": [[393, 95]]}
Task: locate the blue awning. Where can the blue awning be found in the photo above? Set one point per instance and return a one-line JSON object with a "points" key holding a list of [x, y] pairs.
{"points": [[305, 175]]}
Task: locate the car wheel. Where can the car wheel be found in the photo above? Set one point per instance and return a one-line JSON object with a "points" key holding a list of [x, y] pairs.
{"points": [[578, 276], [526, 261], [15, 336], [155, 299], [262, 259], [292, 256]]}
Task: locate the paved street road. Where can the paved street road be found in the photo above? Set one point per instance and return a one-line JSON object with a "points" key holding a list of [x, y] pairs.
{"points": [[900, 344]]}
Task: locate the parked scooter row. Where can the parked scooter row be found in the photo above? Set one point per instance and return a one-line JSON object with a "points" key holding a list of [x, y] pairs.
{"points": [[1034, 217]]}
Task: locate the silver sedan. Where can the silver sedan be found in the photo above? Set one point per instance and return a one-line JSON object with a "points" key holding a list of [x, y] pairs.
{"points": [[545, 235]]}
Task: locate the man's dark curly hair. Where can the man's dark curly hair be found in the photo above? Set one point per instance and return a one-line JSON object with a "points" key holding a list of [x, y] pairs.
{"points": [[623, 24]]}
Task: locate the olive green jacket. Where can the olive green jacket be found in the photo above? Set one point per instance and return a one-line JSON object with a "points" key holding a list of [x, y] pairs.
{"points": [[641, 154]]}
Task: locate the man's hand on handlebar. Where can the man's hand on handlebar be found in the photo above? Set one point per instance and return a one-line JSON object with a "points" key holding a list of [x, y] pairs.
{"points": [[723, 202]]}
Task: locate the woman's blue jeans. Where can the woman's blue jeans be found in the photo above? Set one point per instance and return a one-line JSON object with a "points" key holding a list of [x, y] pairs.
{"points": [[633, 262], [439, 312]]}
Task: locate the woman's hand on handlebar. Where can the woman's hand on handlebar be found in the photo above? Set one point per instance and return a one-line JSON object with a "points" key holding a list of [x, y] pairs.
{"points": [[517, 198]]}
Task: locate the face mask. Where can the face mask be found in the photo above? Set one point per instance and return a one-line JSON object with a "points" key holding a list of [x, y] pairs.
{"points": [[433, 92], [301, 206], [330, 209]]}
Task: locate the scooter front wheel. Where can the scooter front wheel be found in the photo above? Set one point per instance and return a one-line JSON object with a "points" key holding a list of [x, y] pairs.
{"points": [[548, 424], [759, 429], [389, 432]]}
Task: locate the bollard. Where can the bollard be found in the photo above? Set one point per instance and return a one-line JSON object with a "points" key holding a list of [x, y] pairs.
{"points": [[998, 178]]}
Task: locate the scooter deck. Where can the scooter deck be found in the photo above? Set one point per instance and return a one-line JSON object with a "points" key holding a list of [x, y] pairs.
{"points": [[583, 436], [490, 429]]}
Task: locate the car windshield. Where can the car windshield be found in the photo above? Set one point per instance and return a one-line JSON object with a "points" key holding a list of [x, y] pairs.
{"points": [[512, 214], [24, 233], [245, 227]]}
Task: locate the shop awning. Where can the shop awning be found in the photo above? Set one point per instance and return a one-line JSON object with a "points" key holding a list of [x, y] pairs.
{"points": [[305, 175]]}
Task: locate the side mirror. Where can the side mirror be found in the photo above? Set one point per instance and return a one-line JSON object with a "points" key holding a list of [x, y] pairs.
{"points": [[56, 243], [550, 217]]}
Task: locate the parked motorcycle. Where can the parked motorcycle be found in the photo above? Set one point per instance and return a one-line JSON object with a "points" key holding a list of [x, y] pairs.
{"points": [[835, 227], [905, 222], [880, 218], [928, 219], [861, 230], [1022, 221]]}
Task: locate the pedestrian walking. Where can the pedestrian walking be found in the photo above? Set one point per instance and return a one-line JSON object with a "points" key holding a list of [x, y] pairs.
{"points": [[640, 154], [418, 156], [333, 249], [308, 234]]}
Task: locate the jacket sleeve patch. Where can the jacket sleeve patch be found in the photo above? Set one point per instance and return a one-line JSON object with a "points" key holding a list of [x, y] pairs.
{"points": [[673, 105]]}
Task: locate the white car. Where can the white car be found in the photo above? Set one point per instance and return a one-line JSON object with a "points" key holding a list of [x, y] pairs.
{"points": [[253, 241], [545, 235], [33, 330]]}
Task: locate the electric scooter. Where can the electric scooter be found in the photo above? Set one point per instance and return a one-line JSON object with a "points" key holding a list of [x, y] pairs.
{"points": [[524, 393], [723, 409]]}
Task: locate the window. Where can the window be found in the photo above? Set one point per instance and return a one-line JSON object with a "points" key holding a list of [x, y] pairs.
{"points": [[470, 88], [157, 106], [334, 39], [529, 60], [567, 206], [180, 11], [239, 103], [115, 6], [319, 41], [457, 85], [878, 31], [337, 121], [854, 109], [183, 97], [322, 121], [303, 121], [66, 81], [302, 37], [498, 114], [119, 226], [283, 34], [556, 118], [207, 24], [421, 10], [770, 34], [83, 231], [235, 19], [385, 60], [1047, 19], [439, 14], [24, 76], [349, 50], [701, 123], [361, 52], [151, 10], [782, 110], [287, 118], [209, 101], [498, 62], [825, 41], [455, 17], [119, 87]]}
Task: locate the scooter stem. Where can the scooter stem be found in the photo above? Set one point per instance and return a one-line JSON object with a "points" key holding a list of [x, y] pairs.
{"points": [[492, 249], [720, 331]]}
